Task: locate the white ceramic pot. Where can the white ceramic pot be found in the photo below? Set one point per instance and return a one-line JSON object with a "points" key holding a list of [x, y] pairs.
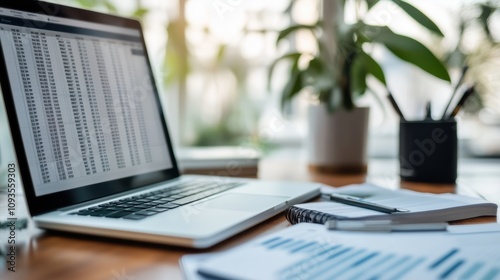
{"points": [[337, 142]]}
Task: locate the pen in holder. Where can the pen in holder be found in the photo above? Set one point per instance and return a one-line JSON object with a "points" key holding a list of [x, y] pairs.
{"points": [[428, 151]]}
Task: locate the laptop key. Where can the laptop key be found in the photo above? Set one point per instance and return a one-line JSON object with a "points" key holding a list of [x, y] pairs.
{"points": [[166, 200], [133, 202], [100, 213], [134, 217], [118, 214], [151, 204], [168, 206], [104, 205], [205, 193], [159, 210], [113, 208], [146, 213], [142, 206], [191, 198], [82, 212], [134, 209], [192, 192]]}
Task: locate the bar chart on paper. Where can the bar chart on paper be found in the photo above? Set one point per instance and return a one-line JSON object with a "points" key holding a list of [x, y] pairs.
{"points": [[309, 251], [331, 261]]}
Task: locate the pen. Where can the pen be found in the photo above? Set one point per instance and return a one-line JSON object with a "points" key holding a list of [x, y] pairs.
{"points": [[395, 105], [460, 81], [358, 202], [460, 103], [383, 226], [428, 111]]}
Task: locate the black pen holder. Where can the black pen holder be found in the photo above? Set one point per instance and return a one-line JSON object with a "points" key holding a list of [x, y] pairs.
{"points": [[428, 151]]}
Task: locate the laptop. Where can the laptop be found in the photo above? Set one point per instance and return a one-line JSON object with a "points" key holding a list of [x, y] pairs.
{"points": [[91, 141]]}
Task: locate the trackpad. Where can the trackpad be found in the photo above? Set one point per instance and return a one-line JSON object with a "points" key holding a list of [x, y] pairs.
{"points": [[244, 202]]}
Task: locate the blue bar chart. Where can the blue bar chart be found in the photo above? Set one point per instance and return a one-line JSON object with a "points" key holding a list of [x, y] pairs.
{"points": [[336, 261], [310, 251]]}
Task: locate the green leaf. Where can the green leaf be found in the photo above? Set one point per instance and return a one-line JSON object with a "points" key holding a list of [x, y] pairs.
{"points": [[322, 83], [373, 67], [358, 76], [315, 67], [87, 3], [293, 87], [111, 7], [318, 76], [419, 17], [324, 96], [360, 39], [409, 50], [221, 53], [292, 56], [289, 8], [285, 32], [486, 12], [371, 3], [140, 13]]}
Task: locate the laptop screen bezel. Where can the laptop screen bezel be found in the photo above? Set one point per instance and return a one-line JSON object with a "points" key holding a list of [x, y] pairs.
{"points": [[46, 203]]}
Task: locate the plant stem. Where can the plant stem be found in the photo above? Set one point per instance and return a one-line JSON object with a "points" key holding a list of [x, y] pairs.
{"points": [[345, 83]]}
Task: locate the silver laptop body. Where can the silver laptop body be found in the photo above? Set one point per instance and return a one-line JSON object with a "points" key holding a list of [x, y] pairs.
{"points": [[91, 140]]}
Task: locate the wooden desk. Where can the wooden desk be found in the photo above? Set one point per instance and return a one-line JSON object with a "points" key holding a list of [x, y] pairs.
{"points": [[67, 256]]}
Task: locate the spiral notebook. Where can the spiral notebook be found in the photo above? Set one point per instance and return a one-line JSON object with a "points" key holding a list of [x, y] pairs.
{"points": [[423, 207]]}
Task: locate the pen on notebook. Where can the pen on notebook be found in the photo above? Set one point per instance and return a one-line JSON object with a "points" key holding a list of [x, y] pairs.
{"points": [[395, 105], [460, 81], [358, 202], [460, 103], [383, 226]]}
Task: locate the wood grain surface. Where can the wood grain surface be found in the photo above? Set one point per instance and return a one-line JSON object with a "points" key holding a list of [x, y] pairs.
{"points": [[55, 255]]}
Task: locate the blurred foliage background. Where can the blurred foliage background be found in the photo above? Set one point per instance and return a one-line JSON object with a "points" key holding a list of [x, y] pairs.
{"points": [[211, 59], [206, 67], [478, 46]]}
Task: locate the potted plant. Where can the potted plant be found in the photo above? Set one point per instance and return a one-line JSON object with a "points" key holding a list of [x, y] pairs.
{"points": [[337, 75]]}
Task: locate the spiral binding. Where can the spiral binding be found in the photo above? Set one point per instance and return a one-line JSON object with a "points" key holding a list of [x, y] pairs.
{"points": [[297, 215]]}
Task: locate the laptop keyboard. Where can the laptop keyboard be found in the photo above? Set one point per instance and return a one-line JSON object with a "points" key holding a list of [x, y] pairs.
{"points": [[141, 206]]}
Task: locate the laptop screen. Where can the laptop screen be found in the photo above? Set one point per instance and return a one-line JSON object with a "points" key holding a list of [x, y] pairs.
{"points": [[84, 99]]}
